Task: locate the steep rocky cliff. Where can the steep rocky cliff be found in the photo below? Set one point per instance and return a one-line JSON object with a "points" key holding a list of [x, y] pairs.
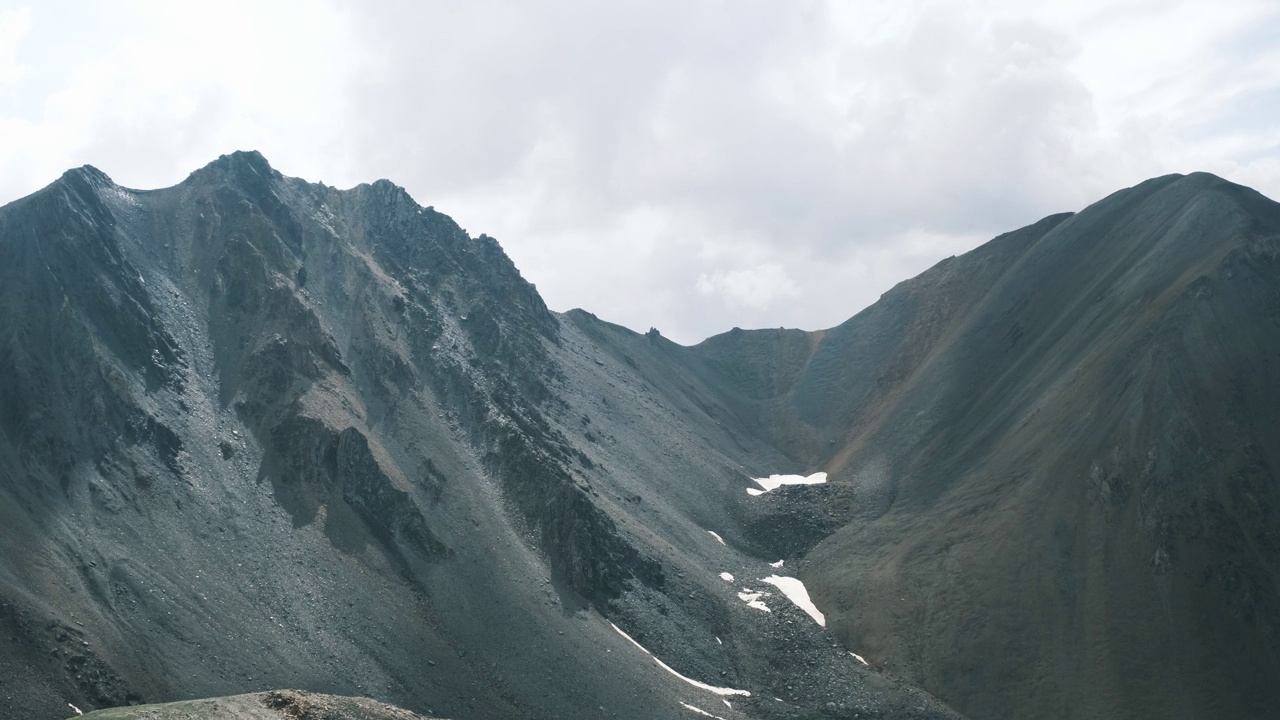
{"points": [[261, 433]]}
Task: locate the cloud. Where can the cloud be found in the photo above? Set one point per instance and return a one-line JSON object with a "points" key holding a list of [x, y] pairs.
{"points": [[691, 165], [757, 287], [800, 136], [14, 25], [175, 86]]}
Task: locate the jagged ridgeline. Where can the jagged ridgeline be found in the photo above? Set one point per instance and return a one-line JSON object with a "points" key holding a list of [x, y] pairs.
{"points": [[188, 371], [259, 433]]}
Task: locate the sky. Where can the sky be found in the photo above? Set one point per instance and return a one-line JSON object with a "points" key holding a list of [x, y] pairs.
{"points": [[690, 165]]}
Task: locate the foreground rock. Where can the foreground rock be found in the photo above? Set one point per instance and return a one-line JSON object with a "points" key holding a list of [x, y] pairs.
{"points": [[273, 705]]}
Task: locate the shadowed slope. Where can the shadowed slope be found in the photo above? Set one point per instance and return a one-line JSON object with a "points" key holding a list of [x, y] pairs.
{"points": [[1061, 449]]}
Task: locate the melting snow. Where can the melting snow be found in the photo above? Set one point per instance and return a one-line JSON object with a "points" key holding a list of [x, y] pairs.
{"points": [[752, 599], [774, 482], [714, 535], [859, 658], [664, 666], [796, 593], [73, 707], [777, 564], [726, 577], [700, 711]]}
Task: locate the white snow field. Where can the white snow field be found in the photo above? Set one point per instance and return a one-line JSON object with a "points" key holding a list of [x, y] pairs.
{"points": [[773, 482], [664, 666], [700, 711], [796, 593], [752, 599]]}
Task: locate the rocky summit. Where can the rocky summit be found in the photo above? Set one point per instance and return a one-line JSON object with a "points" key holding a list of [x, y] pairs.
{"points": [[259, 433]]}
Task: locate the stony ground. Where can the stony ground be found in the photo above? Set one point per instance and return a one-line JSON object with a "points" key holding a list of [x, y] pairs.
{"points": [[273, 705]]}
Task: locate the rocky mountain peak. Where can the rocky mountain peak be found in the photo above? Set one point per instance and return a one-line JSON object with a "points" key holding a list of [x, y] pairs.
{"points": [[87, 176], [240, 164]]}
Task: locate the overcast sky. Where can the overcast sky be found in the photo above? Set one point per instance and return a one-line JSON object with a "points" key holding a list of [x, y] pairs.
{"points": [[690, 165]]}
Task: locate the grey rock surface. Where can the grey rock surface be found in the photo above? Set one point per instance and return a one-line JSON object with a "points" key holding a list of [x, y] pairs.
{"points": [[273, 705]]}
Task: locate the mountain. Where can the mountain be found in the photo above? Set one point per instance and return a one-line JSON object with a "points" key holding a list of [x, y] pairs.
{"points": [[1059, 454], [259, 433]]}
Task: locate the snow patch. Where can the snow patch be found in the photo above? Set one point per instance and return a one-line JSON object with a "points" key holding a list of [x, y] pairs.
{"points": [[700, 711], [714, 535], [726, 577], [73, 707], [776, 565], [796, 593], [664, 666], [752, 599], [859, 658], [773, 482]]}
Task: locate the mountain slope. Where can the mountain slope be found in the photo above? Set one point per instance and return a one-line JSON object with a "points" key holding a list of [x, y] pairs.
{"points": [[1061, 450]]}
